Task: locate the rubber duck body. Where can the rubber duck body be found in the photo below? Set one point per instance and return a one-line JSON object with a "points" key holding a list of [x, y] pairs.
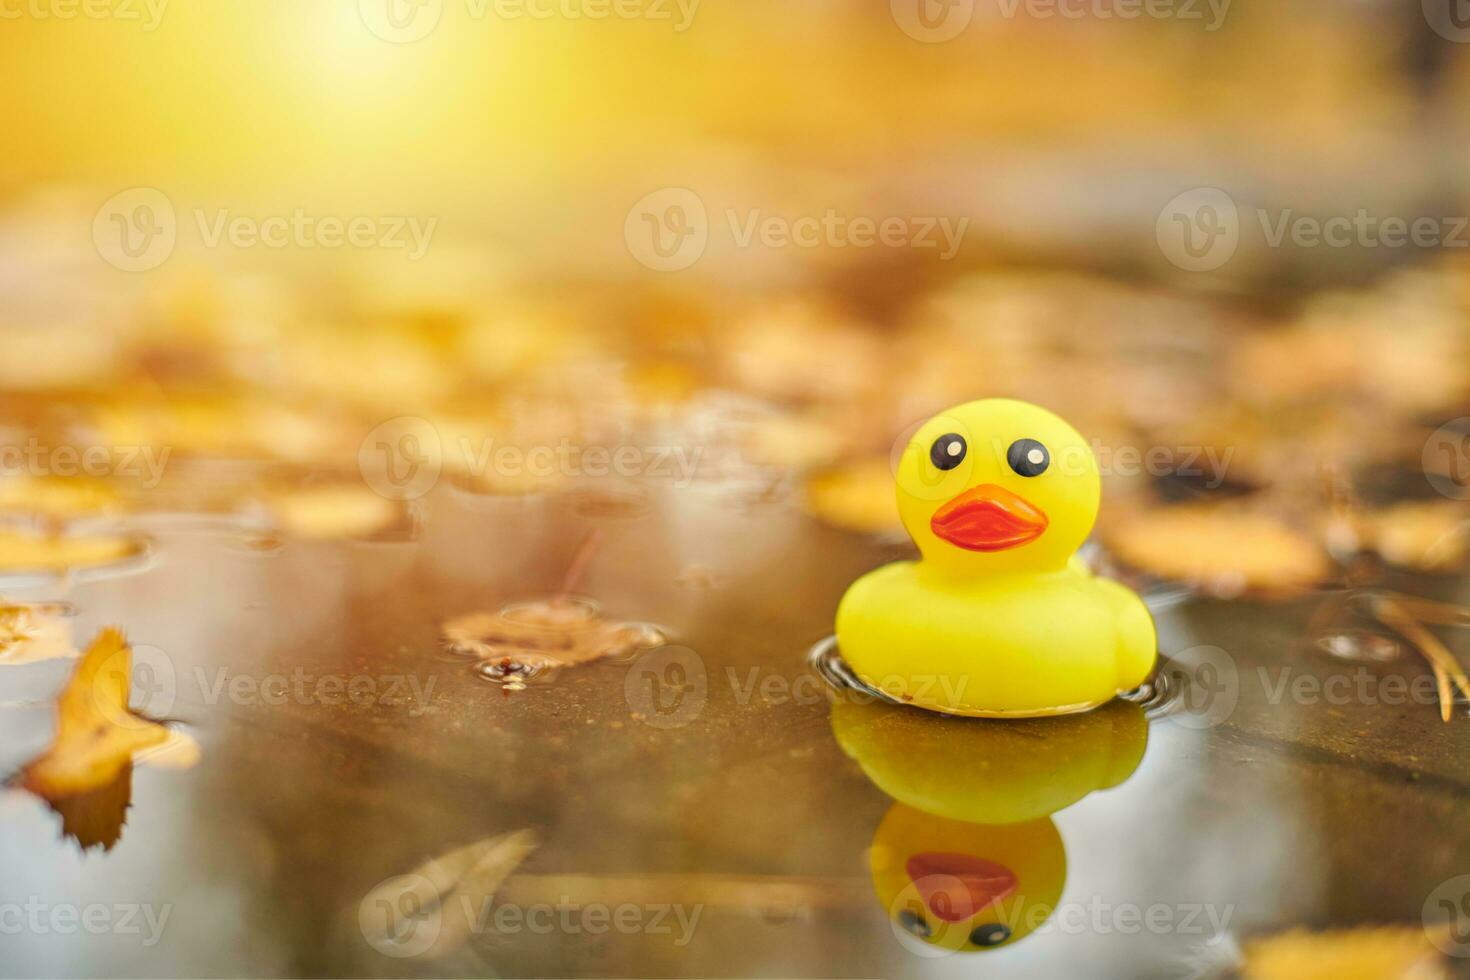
{"points": [[969, 859], [1000, 618]]}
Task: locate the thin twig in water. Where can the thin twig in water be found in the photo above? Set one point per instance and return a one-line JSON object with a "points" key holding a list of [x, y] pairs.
{"points": [[1440, 659], [1429, 610], [1442, 683]]}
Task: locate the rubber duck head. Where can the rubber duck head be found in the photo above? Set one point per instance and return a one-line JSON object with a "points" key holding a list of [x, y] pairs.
{"points": [[997, 486]]}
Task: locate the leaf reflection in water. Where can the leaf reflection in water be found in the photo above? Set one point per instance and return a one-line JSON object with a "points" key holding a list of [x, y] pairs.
{"points": [[452, 890]]}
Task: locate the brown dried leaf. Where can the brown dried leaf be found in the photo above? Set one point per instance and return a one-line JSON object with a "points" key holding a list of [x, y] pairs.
{"points": [[1224, 549], [527, 637]]}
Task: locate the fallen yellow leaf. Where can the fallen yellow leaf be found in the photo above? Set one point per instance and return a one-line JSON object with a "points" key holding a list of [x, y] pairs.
{"points": [[1226, 550], [96, 733]]}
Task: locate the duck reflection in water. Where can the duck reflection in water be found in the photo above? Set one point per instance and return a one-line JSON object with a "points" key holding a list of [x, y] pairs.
{"points": [[968, 858]]}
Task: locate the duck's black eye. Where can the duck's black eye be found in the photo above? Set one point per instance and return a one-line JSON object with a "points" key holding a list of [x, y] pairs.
{"points": [[990, 934], [914, 923], [948, 451], [1028, 457]]}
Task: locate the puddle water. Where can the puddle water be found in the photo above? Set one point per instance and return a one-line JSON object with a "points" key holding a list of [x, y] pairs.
{"points": [[826, 660], [1360, 645], [1164, 693], [796, 833]]}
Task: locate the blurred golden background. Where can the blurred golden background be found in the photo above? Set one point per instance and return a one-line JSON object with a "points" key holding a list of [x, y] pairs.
{"points": [[342, 334], [264, 229]]}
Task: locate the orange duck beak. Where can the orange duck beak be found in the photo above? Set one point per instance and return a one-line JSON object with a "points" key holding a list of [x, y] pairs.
{"points": [[988, 518]]}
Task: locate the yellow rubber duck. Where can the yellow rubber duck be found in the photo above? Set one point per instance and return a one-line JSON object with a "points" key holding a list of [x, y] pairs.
{"points": [[969, 859], [1000, 618]]}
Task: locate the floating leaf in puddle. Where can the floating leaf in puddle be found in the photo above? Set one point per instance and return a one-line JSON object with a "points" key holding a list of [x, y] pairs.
{"points": [[525, 638], [332, 511], [25, 552], [97, 734], [31, 633], [1223, 549], [454, 889]]}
